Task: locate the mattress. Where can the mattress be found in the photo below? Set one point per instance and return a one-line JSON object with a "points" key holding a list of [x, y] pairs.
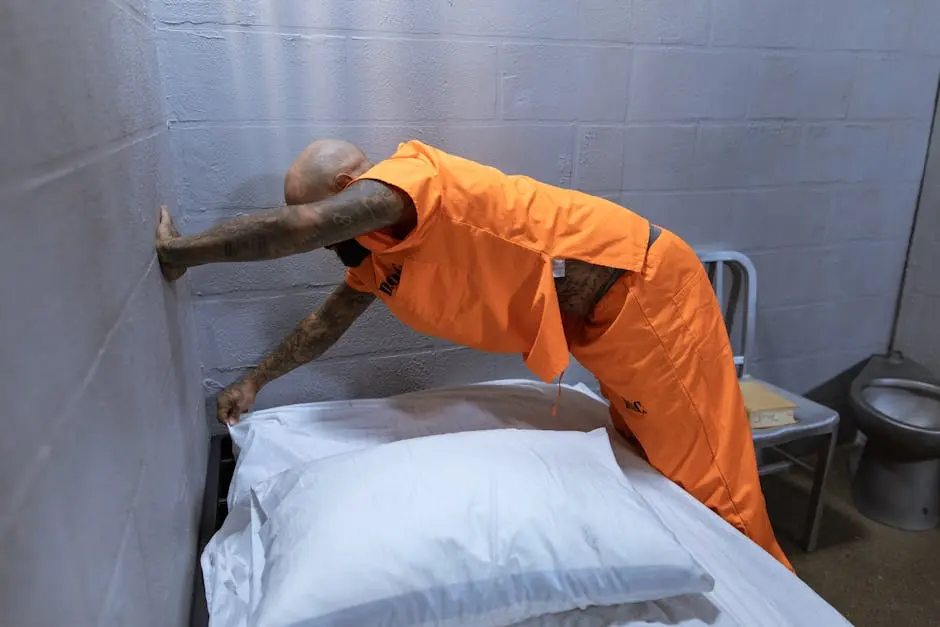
{"points": [[752, 589]]}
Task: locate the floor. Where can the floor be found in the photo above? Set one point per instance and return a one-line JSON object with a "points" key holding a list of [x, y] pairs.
{"points": [[874, 575]]}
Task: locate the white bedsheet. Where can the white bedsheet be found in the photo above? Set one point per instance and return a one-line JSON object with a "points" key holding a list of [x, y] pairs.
{"points": [[751, 590]]}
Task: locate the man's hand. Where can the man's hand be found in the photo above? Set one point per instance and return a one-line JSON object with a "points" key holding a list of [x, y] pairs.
{"points": [[235, 400], [166, 233]]}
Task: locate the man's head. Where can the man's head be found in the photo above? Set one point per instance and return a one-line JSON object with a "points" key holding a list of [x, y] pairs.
{"points": [[326, 167]]}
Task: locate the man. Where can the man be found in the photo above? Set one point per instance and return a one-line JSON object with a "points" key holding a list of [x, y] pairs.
{"points": [[461, 251]]}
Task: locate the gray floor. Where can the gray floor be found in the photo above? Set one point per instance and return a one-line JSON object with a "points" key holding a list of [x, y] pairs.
{"points": [[875, 575]]}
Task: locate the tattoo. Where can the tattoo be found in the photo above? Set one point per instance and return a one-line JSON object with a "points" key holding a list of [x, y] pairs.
{"points": [[257, 244], [581, 287], [342, 220], [363, 207], [314, 335]]}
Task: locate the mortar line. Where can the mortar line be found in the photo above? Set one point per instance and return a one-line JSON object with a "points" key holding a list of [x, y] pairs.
{"points": [[58, 167], [194, 26], [474, 123]]}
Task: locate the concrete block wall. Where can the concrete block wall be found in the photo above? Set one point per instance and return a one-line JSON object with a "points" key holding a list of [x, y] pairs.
{"points": [[102, 453], [918, 331], [791, 129]]}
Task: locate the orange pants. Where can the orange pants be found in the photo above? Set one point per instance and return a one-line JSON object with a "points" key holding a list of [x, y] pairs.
{"points": [[658, 345]]}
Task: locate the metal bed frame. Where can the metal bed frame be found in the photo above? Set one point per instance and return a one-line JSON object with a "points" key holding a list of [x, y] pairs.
{"points": [[813, 420], [219, 470]]}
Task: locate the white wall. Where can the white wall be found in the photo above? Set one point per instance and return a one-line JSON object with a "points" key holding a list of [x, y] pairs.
{"points": [[792, 129], [103, 442], [918, 331]]}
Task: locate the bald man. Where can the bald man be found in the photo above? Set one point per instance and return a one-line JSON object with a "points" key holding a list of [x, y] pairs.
{"points": [[502, 263]]}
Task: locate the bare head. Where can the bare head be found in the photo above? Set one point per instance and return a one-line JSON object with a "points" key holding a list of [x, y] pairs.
{"points": [[324, 168]]}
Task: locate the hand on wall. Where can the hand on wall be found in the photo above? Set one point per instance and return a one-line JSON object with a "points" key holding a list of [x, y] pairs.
{"points": [[166, 232]]}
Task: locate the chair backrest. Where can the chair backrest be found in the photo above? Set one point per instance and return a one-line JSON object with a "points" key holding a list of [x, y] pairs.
{"points": [[737, 299]]}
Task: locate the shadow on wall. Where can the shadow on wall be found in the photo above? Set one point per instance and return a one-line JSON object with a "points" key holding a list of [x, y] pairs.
{"points": [[179, 336], [355, 377], [267, 187], [834, 394]]}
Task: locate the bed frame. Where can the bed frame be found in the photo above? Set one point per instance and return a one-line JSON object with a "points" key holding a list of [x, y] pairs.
{"points": [[219, 471], [738, 298]]}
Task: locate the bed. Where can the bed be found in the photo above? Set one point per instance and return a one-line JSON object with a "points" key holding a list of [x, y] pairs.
{"points": [[750, 588]]}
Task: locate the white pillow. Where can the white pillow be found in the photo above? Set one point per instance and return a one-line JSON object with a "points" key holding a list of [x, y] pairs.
{"points": [[474, 528]]}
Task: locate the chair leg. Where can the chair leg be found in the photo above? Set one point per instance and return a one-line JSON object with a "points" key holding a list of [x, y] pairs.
{"points": [[814, 515]]}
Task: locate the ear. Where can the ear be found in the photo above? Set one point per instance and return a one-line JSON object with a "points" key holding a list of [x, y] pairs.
{"points": [[341, 181]]}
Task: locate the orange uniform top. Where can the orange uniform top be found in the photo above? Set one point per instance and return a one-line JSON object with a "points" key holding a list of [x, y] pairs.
{"points": [[476, 270]]}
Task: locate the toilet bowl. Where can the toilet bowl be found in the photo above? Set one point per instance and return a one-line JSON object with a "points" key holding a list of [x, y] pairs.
{"points": [[897, 407]]}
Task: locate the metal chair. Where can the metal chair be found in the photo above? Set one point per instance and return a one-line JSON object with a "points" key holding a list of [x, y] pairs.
{"points": [[813, 420]]}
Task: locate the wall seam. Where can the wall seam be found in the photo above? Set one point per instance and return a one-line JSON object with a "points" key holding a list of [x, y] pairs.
{"points": [[892, 338]]}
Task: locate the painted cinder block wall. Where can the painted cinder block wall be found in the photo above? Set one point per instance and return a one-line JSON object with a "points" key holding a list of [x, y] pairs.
{"points": [[918, 325], [103, 442], [794, 130]]}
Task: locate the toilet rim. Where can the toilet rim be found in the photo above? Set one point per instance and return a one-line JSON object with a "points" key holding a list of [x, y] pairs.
{"points": [[913, 385]]}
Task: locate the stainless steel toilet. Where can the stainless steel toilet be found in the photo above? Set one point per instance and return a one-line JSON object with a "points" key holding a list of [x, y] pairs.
{"points": [[897, 407]]}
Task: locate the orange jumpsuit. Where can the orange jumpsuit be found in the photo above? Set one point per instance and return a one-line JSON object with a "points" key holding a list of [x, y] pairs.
{"points": [[476, 270]]}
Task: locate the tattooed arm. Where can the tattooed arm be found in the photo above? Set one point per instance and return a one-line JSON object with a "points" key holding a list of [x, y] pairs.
{"points": [[361, 208], [312, 337]]}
